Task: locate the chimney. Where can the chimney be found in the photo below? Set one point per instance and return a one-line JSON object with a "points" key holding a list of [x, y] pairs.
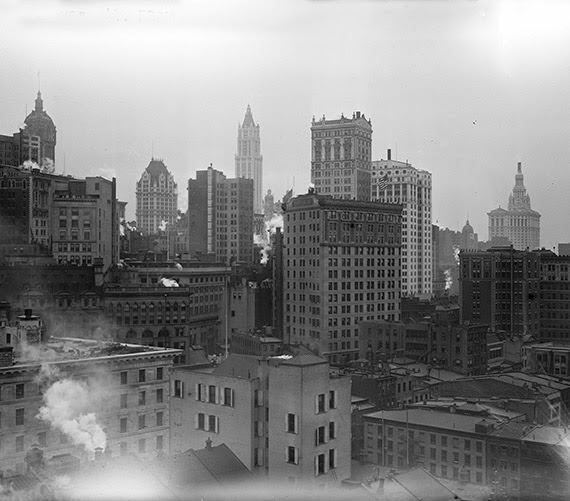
{"points": [[208, 443], [389, 154], [358, 114], [28, 313]]}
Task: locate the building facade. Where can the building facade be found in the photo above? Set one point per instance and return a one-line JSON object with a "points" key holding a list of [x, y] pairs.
{"points": [[399, 182], [157, 198], [500, 288], [128, 389], [341, 156], [519, 223], [220, 217], [341, 265], [249, 161], [289, 401]]}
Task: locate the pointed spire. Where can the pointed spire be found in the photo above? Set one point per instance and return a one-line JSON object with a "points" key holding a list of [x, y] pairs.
{"points": [[248, 119], [39, 102]]}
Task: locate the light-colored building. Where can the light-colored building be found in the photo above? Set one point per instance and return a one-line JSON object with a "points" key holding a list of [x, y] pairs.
{"points": [[116, 395], [520, 224], [341, 155], [157, 198], [249, 161], [341, 266], [401, 183], [285, 416]]}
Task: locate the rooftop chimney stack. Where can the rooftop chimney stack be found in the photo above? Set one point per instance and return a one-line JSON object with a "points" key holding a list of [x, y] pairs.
{"points": [[389, 154]]}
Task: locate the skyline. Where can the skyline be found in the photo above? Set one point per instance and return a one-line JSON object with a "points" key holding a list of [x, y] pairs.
{"points": [[466, 91]]}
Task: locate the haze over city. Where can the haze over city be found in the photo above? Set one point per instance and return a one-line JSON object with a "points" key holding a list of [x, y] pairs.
{"points": [[462, 89]]}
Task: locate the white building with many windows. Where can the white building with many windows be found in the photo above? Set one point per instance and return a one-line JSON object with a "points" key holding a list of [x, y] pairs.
{"points": [[285, 416], [399, 182]]}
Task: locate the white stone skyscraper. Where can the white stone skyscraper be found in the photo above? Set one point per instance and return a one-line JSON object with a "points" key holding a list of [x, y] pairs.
{"points": [[249, 161], [157, 198], [399, 182], [520, 224]]}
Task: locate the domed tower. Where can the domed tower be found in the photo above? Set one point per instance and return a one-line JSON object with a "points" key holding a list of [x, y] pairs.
{"points": [[468, 237], [39, 125]]}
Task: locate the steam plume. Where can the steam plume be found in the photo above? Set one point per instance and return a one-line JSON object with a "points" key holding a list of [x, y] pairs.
{"points": [[168, 282]]}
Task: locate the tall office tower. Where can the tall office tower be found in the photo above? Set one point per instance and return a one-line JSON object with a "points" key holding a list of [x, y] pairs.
{"points": [[220, 216], [341, 265], [341, 157], [500, 287], [249, 161], [157, 198], [520, 224], [399, 182]]}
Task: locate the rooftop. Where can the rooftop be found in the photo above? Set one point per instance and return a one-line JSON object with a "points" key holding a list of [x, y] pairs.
{"points": [[66, 349]]}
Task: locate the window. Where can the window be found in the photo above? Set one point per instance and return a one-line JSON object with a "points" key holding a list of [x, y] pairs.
{"points": [[332, 430], [320, 435], [319, 464], [20, 390], [291, 424], [142, 421], [467, 445], [159, 442], [159, 373], [20, 416], [142, 397], [142, 376], [178, 388], [332, 399], [320, 404], [142, 446], [213, 424], [159, 396], [292, 455], [20, 443], [332, 458], [123, 400], [124, 377], [212, 394], [444, 440], [159, 418], [432, 438], [258, 396], [258, 456], [228, 397], [201, 421], [123, 425]]}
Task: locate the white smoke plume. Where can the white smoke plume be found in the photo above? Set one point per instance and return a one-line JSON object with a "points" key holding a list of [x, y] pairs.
{"points": [[69, 407], [48, 166], [448, 279], [163, 225], [178, 266], [168, 282], [29, 165], [264, 240]]}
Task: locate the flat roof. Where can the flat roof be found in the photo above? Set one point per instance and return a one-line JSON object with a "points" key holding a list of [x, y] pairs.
{"points": [[67, 349]]}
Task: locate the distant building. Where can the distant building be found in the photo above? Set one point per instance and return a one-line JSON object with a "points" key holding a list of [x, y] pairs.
{"points": [[188, 309], [520, 224], [512, 458], [547, 358], [283, 416], [249, 161], [500, 288], [399, 182], [268, 206], [260, 342], [134, 413], [341, 156], [554, 297], [157, 198], [469, 239], [341, 266], [220, 217]]}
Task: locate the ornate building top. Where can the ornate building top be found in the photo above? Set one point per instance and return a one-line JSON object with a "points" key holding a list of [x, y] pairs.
{"points": [[519, 200]]}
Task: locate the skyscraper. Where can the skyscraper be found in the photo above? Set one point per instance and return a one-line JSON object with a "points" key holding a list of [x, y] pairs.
{"points": [[520, 224], [220, 216], [157, 198], [399, 182], [341, 157], [341, 265], [249, 161]]}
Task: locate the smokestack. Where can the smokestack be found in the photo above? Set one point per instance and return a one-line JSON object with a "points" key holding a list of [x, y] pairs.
{"points": [[208, 443], [389, 154], [519, 167], [28, 311], [358, 114]]}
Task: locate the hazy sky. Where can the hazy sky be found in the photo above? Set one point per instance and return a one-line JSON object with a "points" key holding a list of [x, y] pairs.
{"points": [[462, 89]]}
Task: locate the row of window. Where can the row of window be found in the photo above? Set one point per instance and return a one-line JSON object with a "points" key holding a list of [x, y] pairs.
{"points": [[142, 422]]}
